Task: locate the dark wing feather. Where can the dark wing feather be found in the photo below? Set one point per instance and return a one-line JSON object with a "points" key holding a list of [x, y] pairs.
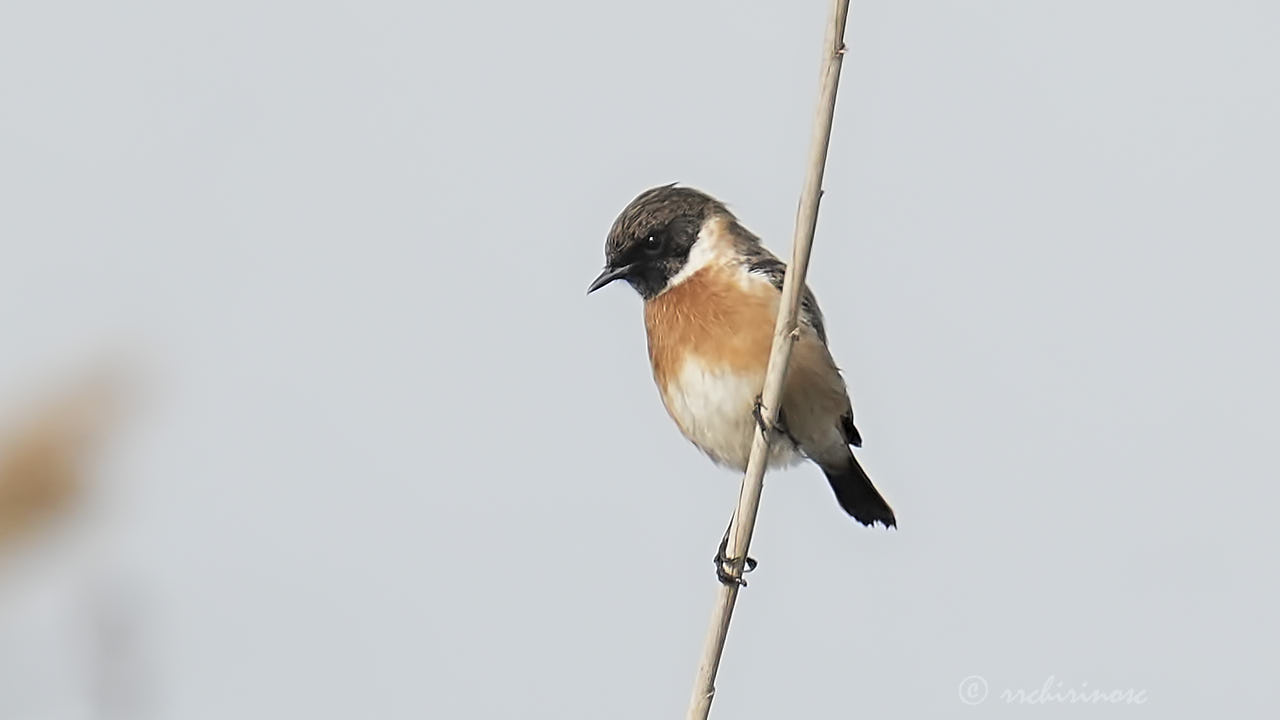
{"points": [[851, 434]]}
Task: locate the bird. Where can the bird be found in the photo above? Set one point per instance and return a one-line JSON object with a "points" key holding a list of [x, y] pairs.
{"points": [[711, 292]]}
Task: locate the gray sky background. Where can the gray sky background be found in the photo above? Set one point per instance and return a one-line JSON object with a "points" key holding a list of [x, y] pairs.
{"points": [[388, 461]]}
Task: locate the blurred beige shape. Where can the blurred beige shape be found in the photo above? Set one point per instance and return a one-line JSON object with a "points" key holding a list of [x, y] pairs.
{"points": [[44, 455]]}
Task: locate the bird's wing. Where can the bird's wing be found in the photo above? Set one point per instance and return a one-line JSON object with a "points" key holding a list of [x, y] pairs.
{"points": [[763, 263]]}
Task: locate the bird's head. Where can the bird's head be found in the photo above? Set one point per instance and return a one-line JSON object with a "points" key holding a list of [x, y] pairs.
{"points": [[650, 241]]}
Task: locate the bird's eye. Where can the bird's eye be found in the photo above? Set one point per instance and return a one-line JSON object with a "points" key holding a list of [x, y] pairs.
{"points": [[653, 244]]}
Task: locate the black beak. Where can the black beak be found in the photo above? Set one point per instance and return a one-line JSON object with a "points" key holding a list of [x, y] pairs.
{"points": [[608, 275]]}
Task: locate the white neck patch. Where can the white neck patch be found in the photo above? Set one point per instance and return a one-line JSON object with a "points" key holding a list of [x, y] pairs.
{"points": [[714, 246]]}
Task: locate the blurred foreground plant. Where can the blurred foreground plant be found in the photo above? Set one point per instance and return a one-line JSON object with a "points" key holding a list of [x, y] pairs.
{"points": [[44, 455]]}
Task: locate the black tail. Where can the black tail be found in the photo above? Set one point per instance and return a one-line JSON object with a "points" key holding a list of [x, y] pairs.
{"points": [[858, 496]]}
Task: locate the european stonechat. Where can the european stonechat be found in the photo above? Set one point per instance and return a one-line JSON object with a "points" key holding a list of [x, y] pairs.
{"points": [[711, 292]]}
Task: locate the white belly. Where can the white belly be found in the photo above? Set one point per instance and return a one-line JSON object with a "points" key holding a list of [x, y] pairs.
{"points": [[714, 410]]}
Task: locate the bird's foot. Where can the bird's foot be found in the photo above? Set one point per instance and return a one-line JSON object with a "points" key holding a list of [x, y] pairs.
{"points": [[724, 564], [757, 412]]}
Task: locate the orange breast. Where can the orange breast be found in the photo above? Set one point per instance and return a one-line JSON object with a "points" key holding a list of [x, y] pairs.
{"points": [[714, 317]]}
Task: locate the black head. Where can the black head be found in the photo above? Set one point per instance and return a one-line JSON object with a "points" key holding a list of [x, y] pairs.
{"points": [[650, 240]]}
